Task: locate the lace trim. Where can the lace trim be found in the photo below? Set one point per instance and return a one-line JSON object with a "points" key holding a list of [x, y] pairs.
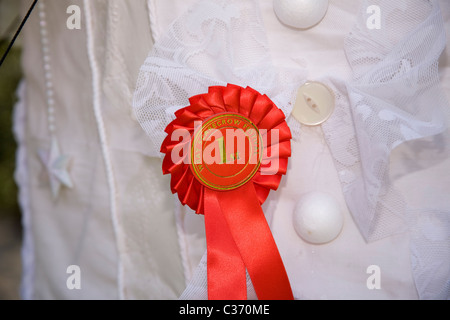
{"points": [[387, 104]]}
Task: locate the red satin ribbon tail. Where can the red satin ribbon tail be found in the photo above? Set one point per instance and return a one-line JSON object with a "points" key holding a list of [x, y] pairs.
{"points": [[255, 242], [226, 270]]}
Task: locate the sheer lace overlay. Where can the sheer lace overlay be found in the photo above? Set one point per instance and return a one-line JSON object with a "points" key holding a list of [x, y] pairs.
{"points": [[394, 97]]}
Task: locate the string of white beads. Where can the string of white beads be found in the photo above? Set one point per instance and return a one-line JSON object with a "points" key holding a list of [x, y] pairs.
{"points": [[49, 89]]}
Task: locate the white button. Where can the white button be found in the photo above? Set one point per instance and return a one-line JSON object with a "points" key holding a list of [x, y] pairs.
{"points": [[300, 14], [314, 104], [317, 218]]}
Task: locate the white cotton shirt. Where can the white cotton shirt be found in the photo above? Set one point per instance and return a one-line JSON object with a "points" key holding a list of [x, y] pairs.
{"points": [[330, 270], [138, 242]]}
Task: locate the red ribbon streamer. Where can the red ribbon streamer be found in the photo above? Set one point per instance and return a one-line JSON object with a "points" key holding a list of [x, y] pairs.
{"points": [[249, 235], [226, 270]]}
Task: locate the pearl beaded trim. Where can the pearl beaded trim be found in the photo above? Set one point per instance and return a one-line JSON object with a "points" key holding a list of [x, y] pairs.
{"points": [[54, 161], [47, 69]]}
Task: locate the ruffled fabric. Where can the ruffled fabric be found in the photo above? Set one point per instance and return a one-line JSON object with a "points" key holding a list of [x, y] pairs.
{"points": [[394, 97]]}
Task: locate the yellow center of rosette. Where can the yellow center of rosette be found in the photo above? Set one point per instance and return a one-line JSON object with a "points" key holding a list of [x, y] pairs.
{"points": [[226, 151]]}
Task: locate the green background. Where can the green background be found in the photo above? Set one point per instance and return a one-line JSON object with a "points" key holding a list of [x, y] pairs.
{"points": [[10, 225], [10, 75]]}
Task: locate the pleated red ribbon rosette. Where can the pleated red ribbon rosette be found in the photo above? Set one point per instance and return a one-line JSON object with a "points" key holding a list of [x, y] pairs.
{"points": [[220, 152]]}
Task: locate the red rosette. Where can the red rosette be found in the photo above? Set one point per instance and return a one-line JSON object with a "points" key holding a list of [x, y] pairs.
{"points": [[230, 191], [233, 99]]}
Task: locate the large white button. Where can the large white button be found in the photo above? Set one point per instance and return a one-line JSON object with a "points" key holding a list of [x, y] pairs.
{"points": [[318, 218], [300, 14], [314, 104]]}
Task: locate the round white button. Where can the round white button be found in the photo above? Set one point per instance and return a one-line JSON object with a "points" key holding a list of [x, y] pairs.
{"points": [[314, 104], [317, 218], [300, 14]]}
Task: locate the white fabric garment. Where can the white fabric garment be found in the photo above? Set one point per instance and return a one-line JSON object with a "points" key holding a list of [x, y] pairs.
{"points": [[383, 104], [131, 237], [129, 259]]}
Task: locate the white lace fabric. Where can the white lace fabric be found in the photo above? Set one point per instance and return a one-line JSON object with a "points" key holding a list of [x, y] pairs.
{"points": [[381, 154], [393, 97]]}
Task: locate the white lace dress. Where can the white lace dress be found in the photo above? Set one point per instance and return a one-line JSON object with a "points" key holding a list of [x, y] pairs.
{"points": [[384, 154]]}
